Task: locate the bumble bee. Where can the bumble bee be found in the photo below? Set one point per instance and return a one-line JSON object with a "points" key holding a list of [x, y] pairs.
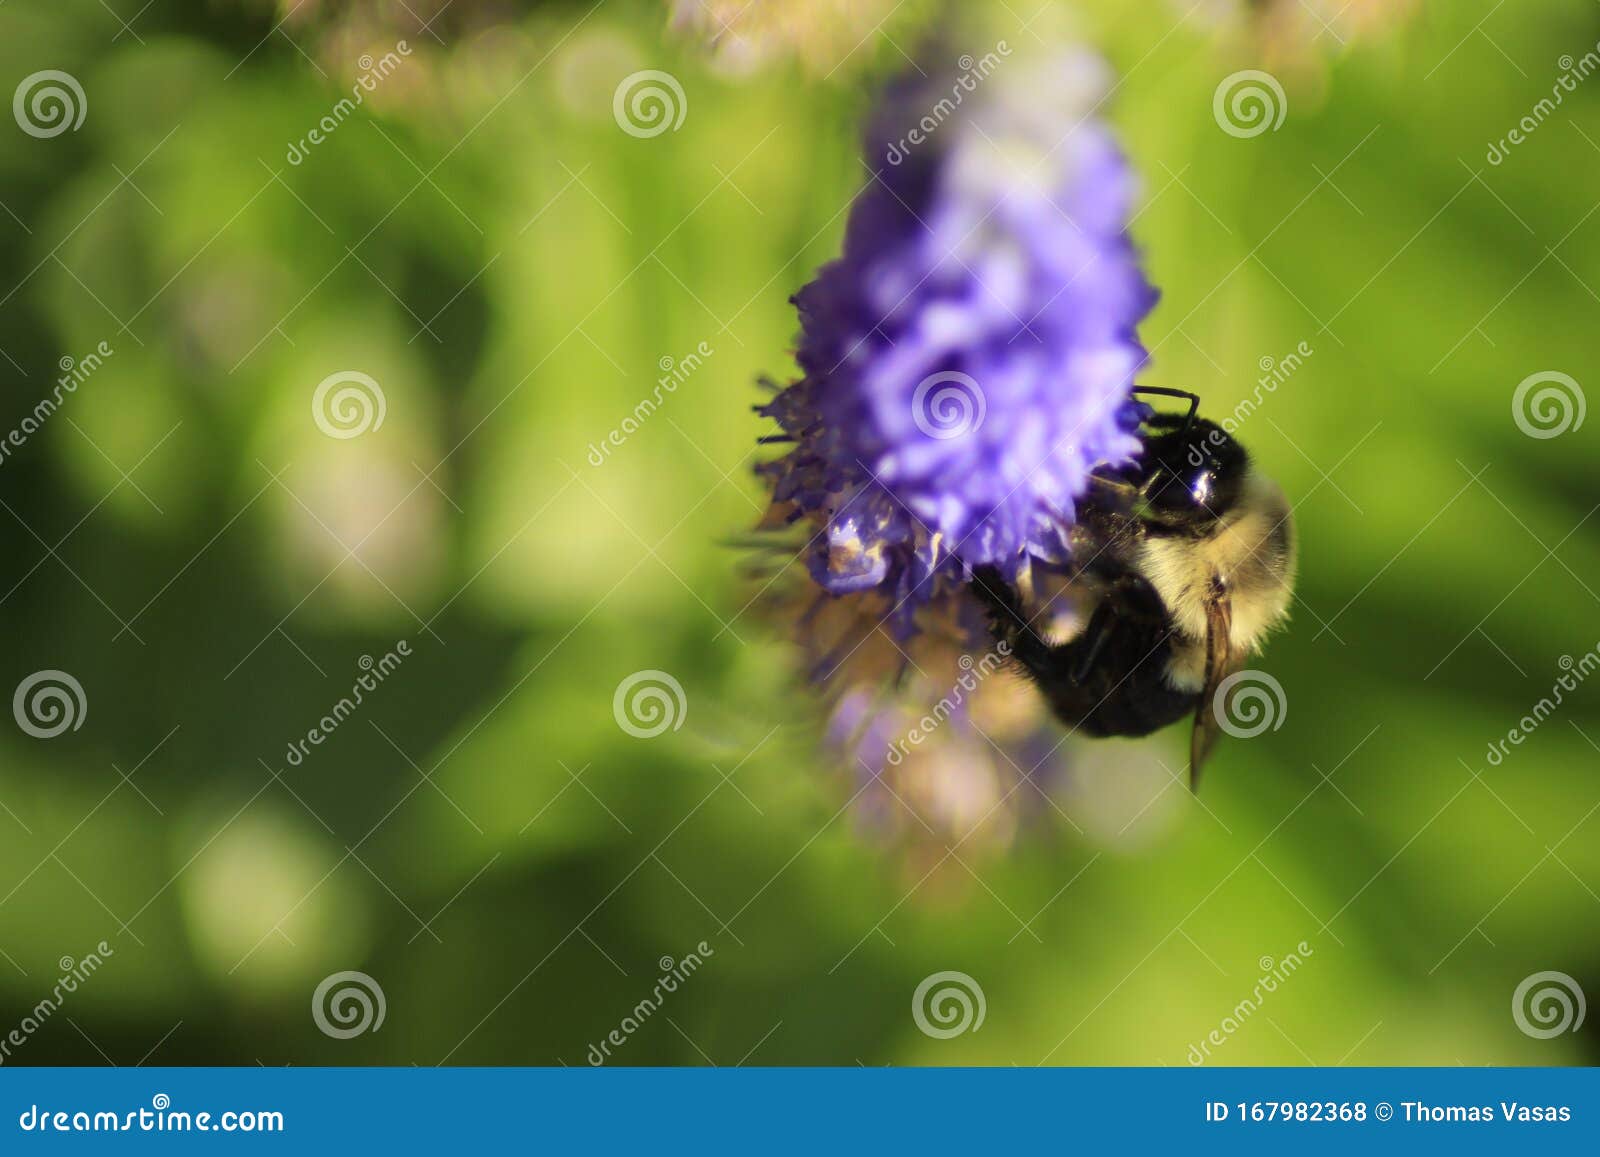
{"points": [[1182, 562]]}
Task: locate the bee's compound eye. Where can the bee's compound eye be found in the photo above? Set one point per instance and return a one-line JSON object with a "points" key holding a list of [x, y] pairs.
{"points": [[1192, 474], [1184, 491]]}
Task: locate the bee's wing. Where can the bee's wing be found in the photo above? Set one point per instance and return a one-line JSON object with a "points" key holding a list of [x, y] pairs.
{"points": [[1219, 624]]}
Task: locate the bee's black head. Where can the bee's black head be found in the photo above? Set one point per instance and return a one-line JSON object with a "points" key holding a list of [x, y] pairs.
{"points": [[1191, 471]]}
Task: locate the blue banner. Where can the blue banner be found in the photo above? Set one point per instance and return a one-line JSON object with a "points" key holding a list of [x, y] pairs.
{"points": [[804, 1110]]}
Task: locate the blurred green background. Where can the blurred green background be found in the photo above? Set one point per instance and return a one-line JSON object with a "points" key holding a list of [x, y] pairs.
{"points": [[481, 838]]}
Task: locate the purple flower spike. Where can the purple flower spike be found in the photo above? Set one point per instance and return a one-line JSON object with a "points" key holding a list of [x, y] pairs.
{"points": [[967, 361]]}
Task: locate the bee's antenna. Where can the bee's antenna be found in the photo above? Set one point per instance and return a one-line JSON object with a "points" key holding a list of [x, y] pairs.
{"points": [[1164, 392]]}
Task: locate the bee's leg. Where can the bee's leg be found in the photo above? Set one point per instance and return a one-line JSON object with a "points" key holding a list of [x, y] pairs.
{"points": [[1009, 622], [1074, 661], [1110, 679], [1007, 619], [1091, 641]]}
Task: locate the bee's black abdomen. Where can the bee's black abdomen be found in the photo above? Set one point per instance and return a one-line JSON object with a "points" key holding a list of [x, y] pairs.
{"points": [[1126, 694], [1109, 680]]}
